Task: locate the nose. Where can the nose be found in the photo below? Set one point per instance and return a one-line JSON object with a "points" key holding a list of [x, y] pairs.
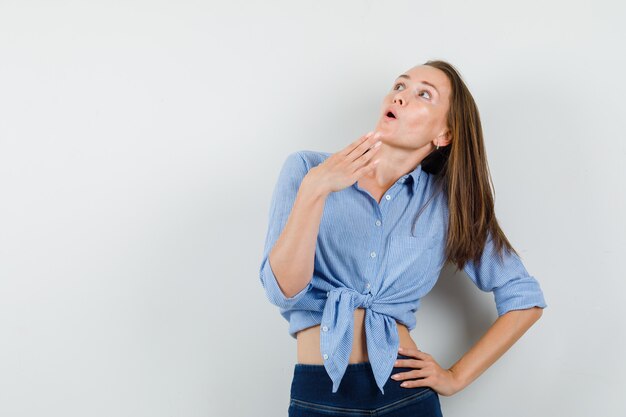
{"points": [[398, 100]]}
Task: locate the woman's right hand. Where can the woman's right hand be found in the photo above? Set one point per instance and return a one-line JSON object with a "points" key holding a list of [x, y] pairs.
{"points": [[345, 167]]}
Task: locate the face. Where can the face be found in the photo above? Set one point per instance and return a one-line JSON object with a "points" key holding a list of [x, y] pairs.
{"points": [[420, 109]]}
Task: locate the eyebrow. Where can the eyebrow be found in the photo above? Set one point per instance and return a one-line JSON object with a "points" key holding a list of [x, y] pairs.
{"points": [[423, 82]]}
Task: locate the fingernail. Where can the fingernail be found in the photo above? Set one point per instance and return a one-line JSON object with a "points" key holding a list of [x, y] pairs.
{"points": [[377, 144], [377, 135], [370, 134], [399, 349]]}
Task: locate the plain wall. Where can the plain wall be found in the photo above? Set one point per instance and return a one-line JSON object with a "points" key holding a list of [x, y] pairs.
{"points": [[139, 146]]}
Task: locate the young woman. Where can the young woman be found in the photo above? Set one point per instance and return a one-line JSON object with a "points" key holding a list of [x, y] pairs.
{"points": [[356, 238]]}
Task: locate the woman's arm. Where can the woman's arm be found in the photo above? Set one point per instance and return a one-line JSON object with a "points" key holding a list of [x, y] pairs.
{"points": [[292, 257], [294, 216], [502, 334], [296, 212]]}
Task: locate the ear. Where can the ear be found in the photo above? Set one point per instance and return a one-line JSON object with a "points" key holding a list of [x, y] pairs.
{"points": [[443, 139]]}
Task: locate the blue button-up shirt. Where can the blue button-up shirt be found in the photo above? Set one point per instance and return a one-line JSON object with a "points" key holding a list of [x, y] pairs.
{"points": [[381, 257]]}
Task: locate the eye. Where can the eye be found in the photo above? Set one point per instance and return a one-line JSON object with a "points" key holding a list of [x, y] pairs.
{"points": [[395, 87], [426, 91]]}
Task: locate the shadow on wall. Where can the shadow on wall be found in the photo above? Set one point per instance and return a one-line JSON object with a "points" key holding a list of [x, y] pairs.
{"points": [[453, 316]]}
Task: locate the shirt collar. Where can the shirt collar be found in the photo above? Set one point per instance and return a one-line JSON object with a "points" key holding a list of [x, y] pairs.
{"points": [[413, 176]]}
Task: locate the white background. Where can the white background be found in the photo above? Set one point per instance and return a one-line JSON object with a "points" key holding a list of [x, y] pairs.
{"points": [[140, 143]]}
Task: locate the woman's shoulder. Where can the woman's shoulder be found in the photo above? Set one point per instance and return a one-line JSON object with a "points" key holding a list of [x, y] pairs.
{"points": [[313, 158]]}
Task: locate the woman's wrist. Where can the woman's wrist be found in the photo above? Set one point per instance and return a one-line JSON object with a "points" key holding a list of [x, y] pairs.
{"points": [[312, 188]]}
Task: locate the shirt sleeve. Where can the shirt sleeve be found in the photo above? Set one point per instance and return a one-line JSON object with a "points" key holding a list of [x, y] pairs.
{"points": [[513, 288], [289, 179]]}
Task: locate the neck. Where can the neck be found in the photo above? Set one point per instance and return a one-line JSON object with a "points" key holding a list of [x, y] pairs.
{"points": [[394, 163]]}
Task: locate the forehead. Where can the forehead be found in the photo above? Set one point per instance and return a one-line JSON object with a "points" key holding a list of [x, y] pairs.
{"points": [[432, 75]]}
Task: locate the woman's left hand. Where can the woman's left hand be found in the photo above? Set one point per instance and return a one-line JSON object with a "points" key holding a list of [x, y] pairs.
{"points": [[430, 374]]}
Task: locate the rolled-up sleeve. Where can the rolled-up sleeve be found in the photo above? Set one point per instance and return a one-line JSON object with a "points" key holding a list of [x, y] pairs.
{"points": [[289, 179], [512, 286]]}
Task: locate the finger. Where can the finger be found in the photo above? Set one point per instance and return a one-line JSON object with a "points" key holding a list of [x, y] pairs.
{"points": [[364, 146], [374, 147], [414, 383], [422, 355], [415, 374], [398, 377], [416, 353], [368, 155], [348, 149], [409, 363], [366, 168], [365, 162], [362, 160]]}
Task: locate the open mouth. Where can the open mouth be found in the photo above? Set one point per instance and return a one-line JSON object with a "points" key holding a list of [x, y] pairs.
{"points": [[390, 115]]}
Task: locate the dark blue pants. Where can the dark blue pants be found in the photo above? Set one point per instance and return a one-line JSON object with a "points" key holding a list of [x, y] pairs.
{"points": [[358, 394]]}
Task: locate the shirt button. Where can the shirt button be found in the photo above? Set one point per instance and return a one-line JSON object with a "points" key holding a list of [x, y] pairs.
{"points": [[378, 223], [373, 254], [325, 328], [325, 356], [388, 197], [327, 293]]}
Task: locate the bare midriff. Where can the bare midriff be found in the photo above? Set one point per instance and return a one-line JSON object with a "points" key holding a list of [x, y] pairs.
{"points": [[309, 341]]}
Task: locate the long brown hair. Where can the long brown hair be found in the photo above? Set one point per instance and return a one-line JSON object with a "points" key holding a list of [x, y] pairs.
{"points": [[462, 172]]}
